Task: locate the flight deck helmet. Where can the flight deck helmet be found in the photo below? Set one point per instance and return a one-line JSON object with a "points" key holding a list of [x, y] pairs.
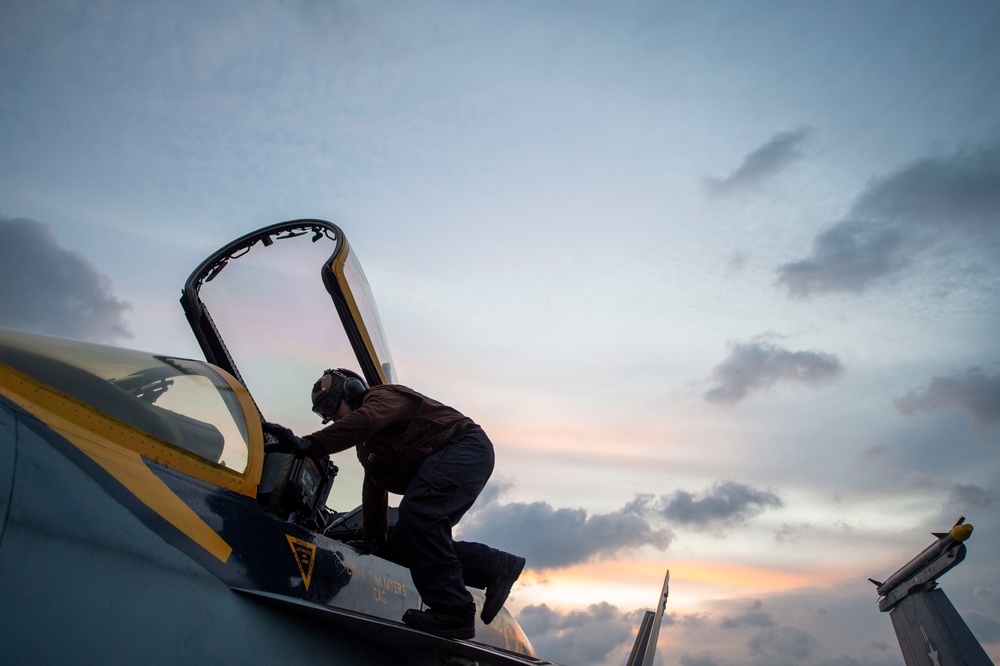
{"points": [[336, 385]]}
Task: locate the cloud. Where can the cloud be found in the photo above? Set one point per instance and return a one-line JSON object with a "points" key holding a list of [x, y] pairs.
{"points": [[47, 289], [775, 155], [957, 193], [753, 617], [969, 496], [929, 203], [726, 502], [986, 626], [972, 391], [759, 364], [967, 500], [986, 629], [795, 630], [845, 660], [584, 636], [989, 597], [847, 257], [792, 533], [737, 263], [703, 659], [551, 538], [782, 645]]}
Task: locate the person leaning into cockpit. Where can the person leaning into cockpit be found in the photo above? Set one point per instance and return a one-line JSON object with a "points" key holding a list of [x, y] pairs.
{"points": [[439, 460]]}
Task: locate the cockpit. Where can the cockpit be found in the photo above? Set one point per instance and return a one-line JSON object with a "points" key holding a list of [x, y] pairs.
{"points": [[185, 413], [200, 418]]}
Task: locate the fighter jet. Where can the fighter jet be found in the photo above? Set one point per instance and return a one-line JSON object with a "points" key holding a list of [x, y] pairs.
{"points": [[928, 628], [142, 522]]}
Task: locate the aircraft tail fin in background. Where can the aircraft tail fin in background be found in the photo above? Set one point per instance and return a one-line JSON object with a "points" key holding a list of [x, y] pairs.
{"points": [[644, 648], [929, 628]]}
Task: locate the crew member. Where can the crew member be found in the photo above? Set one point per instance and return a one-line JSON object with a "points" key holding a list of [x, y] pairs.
{"points": [[439, 461]]}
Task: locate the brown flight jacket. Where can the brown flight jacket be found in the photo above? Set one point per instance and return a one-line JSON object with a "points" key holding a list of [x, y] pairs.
{"points": [[394, 430]]}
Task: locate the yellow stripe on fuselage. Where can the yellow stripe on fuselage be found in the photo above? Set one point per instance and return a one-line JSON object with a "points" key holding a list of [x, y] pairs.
{"points": [[101, 439]]}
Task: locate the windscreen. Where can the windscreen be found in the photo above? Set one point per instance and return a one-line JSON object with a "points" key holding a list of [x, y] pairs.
{"points": [[181, 402]]}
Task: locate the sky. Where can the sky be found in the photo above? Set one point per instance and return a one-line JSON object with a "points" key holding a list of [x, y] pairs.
{"points": [[720, 280]]}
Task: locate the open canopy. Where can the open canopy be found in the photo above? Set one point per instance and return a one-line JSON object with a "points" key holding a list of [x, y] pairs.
{"points": [[341, 275]]}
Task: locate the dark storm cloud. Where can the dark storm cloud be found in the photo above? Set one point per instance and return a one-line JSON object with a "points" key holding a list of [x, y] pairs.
{"points": [[780, 151], [972, 391], [753, 617], [551, 538], [47, 289], [759, 364], [931, 203], [726, 502], [782, 645], [579, 637]]}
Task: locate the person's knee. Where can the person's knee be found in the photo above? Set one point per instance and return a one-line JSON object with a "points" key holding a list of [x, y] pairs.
{"points": [[419, 519]]}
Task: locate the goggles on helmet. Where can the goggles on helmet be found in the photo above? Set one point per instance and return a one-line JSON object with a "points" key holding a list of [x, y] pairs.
{"points": [[332, 388]]}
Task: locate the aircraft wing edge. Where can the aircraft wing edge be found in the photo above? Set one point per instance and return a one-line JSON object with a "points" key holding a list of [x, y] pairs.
{"points": [[395, 636]]}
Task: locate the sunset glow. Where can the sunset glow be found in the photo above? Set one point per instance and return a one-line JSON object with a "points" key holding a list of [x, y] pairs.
{"points": [[721, 281]]}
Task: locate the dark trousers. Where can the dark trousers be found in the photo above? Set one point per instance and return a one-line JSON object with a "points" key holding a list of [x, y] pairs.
{"points": [[443, 489]]}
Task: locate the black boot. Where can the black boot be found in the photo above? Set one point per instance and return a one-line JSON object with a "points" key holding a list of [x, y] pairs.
{"points": [[442, 623], [507, 571]]}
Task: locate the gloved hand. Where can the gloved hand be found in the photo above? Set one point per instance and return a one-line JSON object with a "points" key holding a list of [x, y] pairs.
{"points": [[285, 440], [364, 546]]}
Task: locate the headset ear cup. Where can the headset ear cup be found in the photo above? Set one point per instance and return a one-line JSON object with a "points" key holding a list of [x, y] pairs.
{"points": [[354, 390]]}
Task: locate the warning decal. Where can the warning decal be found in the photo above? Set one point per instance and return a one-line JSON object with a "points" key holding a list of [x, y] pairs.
{"points": [[305, 557]]}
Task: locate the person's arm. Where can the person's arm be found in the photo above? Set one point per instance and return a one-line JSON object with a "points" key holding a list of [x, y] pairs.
{"points": [[380, 408], [374, 512]]}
